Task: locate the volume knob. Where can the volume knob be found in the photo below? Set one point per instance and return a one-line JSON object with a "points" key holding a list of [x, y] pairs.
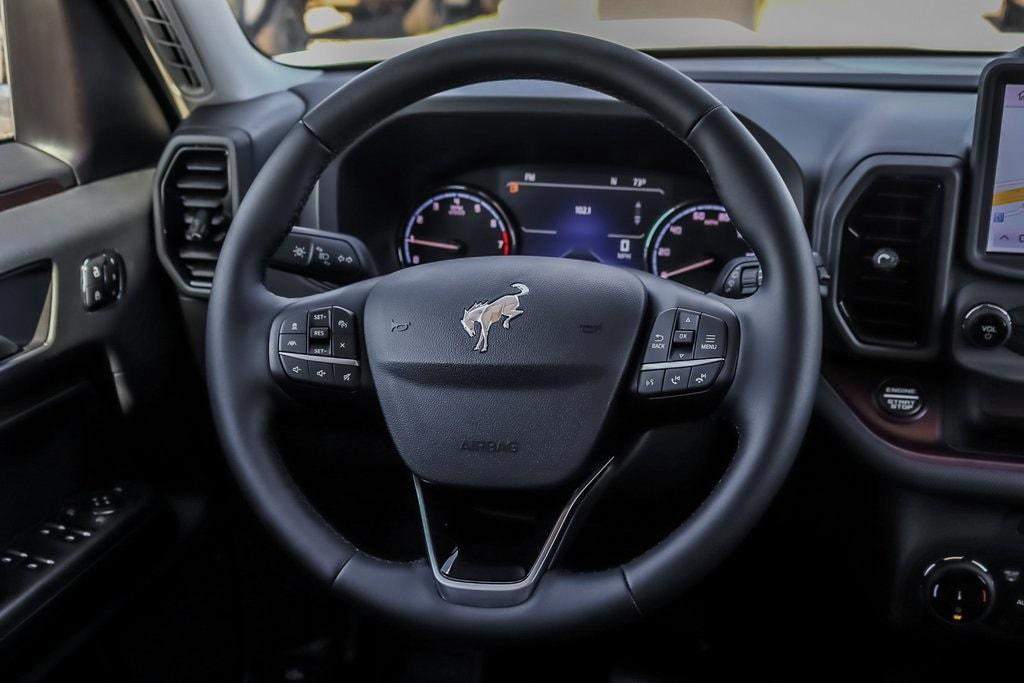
{"points": [[987, 326]]}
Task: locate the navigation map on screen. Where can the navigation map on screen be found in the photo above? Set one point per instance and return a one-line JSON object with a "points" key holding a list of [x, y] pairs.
{"points": [[1006, 222]]}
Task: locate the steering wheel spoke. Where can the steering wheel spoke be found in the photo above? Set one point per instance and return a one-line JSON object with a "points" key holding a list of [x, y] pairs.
{"points": [[512, 563]]}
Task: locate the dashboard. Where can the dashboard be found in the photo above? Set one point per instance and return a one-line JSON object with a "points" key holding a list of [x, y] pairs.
{"points": [[910, 188]]}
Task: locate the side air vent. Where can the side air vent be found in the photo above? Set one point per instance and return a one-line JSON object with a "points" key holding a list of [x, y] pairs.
{"points": [[889, 245], [168, 42], [196, 205]]}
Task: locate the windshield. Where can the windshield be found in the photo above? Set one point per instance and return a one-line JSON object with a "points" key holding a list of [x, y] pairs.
{"points": [[333, 32]]}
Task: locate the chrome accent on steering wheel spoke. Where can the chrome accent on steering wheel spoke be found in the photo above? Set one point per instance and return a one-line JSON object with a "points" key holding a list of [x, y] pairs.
{"points": [[504, 594]]}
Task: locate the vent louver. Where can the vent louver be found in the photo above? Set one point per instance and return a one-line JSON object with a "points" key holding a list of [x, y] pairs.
{"points": [[889, 246], [197, 209], [170, 46]]}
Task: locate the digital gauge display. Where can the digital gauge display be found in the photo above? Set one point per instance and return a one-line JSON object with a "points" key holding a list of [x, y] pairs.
{"points": [[618, 217], [592, 216]]}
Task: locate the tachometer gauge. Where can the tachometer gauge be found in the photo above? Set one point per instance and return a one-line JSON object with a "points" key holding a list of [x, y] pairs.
{"points": [[455, 222], [692, 243]]}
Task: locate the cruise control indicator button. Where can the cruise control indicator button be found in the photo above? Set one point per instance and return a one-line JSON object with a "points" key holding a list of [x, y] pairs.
{"points": [[292, 343], [294, 323], [650, 382], [296, 368], [676, 380], [703, 376], [688, 320], [660, 341], [711, 338]]}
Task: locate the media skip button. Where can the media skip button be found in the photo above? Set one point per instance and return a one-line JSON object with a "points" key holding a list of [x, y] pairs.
{"points": [[703, 376]]}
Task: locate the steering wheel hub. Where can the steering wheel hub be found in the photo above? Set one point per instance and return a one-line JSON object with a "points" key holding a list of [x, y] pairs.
{"points": [[500, 371]]}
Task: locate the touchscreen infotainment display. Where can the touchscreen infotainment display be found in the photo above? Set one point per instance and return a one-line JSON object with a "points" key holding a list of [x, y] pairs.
{"points": [[1006, 219]]}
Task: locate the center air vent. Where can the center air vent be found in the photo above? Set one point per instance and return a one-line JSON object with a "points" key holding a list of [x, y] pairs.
{"points": [[197, 203], [889, 245]]}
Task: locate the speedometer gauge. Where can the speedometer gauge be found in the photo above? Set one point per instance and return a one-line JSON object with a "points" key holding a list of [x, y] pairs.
{"points": [[454, 222], [692, 243]]}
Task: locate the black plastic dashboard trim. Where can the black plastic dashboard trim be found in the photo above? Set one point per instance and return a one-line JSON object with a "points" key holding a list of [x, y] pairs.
{"points": [[929, 472]]}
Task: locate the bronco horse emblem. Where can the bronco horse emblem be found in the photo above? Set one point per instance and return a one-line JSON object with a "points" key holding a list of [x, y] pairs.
{"points": [[487, 313]]}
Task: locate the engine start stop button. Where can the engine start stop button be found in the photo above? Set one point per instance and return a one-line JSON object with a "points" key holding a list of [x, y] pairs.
{"points": [[899, 398]]}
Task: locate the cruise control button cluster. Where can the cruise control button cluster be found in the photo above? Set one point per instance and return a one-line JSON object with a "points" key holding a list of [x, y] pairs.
{"points": [[318, 346], [685, 353]]}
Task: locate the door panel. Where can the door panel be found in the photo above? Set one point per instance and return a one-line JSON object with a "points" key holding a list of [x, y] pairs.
{"points": [[77, 409]]}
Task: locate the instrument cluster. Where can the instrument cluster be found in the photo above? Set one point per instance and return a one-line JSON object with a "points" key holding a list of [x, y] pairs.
{"points": [[632, 219]]}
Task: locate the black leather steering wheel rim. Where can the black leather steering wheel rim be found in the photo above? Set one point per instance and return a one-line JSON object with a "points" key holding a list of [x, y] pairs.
{"points": [[770, 401]]}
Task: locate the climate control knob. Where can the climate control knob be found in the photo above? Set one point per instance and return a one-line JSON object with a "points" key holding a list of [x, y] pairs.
{"points": [[959, 591], [987, 326]]}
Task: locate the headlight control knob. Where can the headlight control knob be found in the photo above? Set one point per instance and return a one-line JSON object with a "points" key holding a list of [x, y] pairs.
{"points": [[958, 590]]}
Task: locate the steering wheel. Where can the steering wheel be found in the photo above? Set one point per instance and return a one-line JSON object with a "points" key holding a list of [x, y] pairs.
{"points": [[500, 373]]}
